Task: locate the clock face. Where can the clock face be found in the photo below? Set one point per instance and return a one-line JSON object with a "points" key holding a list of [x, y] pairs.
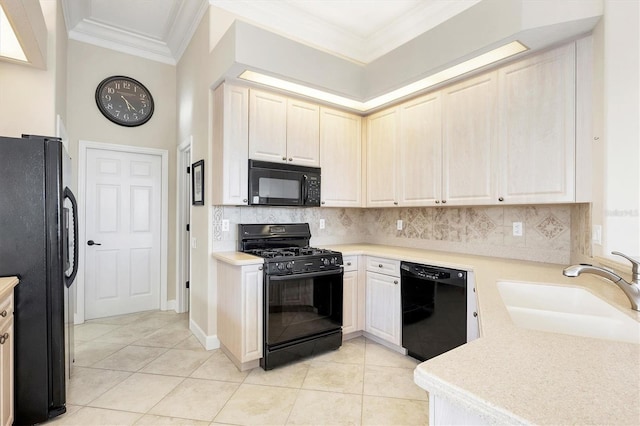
{"points": [[124, 101]]}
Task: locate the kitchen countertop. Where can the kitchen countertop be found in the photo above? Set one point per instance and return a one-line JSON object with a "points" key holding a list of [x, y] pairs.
{"points": [[7, 283], [514, 375]]}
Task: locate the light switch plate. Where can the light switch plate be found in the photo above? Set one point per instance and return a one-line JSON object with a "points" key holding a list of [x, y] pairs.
{"points": [[517, 229], [225, 225], [194, 243], [321, 225], [399, 225], [596, 234]]}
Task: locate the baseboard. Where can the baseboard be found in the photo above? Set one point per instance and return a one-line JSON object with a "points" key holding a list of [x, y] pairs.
{"points": [[383, 342], [209, 342], [171, 305]]}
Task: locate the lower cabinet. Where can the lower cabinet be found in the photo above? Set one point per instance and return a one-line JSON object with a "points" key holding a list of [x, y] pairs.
{"points": [[383, 312], [240, 309], [350, 308], [6, 357]]}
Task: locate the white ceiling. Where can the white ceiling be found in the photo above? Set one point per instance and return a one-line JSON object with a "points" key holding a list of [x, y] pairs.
{"points": [[361, 30]]}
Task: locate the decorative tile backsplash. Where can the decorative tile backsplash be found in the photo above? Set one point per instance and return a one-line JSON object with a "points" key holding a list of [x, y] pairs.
{"points": [[550, 232]]}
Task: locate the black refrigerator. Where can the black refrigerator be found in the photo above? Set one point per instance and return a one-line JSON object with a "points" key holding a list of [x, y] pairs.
{"points": [[38, 224]]}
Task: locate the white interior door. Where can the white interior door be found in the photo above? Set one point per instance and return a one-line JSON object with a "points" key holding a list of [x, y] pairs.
{"points": [[123, 220]]}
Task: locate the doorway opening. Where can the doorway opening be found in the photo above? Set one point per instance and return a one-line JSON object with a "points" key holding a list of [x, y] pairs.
{"points": [[183, 215]]}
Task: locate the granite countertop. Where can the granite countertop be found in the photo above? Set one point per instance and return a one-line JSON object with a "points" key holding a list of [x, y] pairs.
{"points": [[7, 283], [514, 375]]}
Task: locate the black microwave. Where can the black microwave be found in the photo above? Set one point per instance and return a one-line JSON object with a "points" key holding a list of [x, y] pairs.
{"points": [[276, 184]]}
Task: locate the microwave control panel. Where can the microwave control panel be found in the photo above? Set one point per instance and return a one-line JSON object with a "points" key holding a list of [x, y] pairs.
{"points": [[313, 191]]}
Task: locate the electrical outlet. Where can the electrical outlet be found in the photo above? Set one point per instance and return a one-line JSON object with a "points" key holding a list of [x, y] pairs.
{"points": [[194, 243], [321, 226], [225, 225], [399, 225], [596, 234], [517, 229]]}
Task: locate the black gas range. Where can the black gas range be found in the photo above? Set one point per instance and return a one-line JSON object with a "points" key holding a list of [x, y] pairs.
{"points": [[302, 291]]}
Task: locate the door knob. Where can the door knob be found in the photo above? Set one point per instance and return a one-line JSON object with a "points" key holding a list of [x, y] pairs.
{"points": [[93, 243]]}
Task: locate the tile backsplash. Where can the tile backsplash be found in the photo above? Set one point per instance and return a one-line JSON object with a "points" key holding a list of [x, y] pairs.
{"points": [[546, 229]]}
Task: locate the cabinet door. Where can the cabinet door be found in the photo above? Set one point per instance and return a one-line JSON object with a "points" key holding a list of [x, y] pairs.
{"points": [[382, 140], [420, 156], [252, 309], [303, 133], [469, 141], [340, 158], [230, 145], [350, 302], [537, 128], [383, 307], [267, 126], [6, 372]]}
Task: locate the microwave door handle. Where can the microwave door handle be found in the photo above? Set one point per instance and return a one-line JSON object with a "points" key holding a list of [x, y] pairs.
{"points": [[304, 189]]}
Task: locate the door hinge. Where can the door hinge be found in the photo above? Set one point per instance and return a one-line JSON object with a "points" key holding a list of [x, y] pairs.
{"points": [[187, 227], [188, 170], [187, 284]]}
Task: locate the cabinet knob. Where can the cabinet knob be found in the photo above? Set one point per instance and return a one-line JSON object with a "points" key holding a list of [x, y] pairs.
{"points": [[3, 314], [4, 338], [395, 281], [244, 200], [475, 314], [290, 159], [322, 202], [259, 268], [395, 203], [444, 201], [437, 201], [348, 263], [284, 158], [380, 265], [501, 199]]}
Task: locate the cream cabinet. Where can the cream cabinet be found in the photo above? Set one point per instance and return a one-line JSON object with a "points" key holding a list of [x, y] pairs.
{"points": [[383, 304], [230, 145], [382, 145], [240, 313], [7, 339], [420, 152], [340, 158], [537, 138], [283, 129], [469, 157], [350, 296]]}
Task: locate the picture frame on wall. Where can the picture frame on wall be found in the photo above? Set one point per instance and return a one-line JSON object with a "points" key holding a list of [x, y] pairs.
{"points": [[197, 183]]}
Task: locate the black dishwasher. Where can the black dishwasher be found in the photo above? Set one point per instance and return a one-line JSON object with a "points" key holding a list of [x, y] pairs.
{"points": [[434, 309]]}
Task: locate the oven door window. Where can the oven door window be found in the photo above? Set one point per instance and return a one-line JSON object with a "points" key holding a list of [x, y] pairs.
{"points": [[302, 307]]}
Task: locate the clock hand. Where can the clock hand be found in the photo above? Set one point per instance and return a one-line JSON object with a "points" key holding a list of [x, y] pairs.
{"points": [[129, 106]]}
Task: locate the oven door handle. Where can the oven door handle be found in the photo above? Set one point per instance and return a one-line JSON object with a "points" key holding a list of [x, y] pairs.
{"points": [[305, 275]]}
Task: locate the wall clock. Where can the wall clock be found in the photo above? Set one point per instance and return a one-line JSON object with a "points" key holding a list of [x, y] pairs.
{"points": [[124, 101]]}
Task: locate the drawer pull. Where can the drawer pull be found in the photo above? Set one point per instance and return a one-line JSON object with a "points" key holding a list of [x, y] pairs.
{"points": [[348, 263], [3, 314], [4, 338], [380, 265], [395, 281]]}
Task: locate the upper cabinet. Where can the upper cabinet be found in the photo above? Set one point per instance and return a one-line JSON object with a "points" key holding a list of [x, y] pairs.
{"points": [[537, 139], [282, 129], [340, 158], [469, 141], [382, 144], [230, 145]]}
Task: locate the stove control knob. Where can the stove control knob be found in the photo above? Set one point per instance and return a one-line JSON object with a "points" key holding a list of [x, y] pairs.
{"points": [[289, 265], [333, 260], [325, 262], [280, 266]]}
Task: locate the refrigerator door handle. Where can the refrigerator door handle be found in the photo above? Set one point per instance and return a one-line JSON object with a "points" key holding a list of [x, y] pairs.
{"points": [[68, 279]]}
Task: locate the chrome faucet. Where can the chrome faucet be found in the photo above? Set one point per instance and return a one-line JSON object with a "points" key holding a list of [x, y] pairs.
{"points": [[632, 289]]}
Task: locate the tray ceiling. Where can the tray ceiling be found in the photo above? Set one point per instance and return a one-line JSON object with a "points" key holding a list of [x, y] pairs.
{"points": [[160, 30]]}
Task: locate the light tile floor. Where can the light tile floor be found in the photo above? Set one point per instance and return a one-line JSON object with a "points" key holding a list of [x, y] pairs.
{"points": [[148, 369]]}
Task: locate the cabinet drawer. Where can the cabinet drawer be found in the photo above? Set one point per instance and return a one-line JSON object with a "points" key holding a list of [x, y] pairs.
{"points": [[350, 263], [6, 309], [383, 266]]}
